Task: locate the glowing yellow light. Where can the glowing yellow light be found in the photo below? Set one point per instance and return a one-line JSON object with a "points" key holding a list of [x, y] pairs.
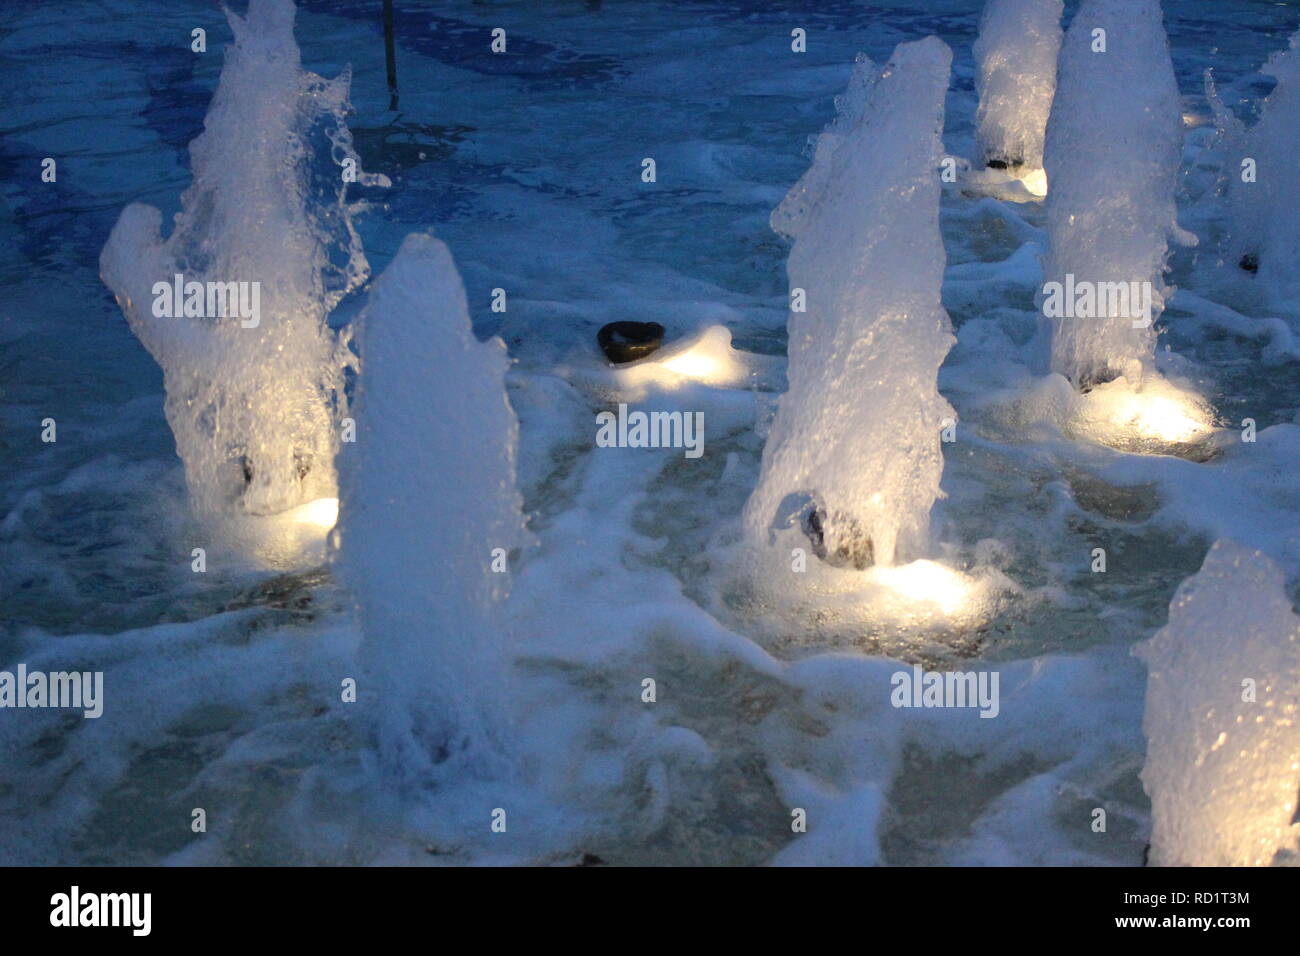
{"points": [[692, 364], [1010, 184], [323, 513], [928, 582], [1150, 418], [1035, 181], [287, 539], [1160, 417], [1159, 412], [708, 359]]}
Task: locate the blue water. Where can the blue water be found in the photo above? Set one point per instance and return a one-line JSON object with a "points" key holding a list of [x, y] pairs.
{"points": [[528, 166]]}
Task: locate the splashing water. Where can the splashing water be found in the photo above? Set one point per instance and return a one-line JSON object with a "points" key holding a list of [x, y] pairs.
{"points": [[1222, 727], [226, 707], [1112, 154], [859, 429], [252, 396], [430, 512], [1266, 220], [1016, 78]]}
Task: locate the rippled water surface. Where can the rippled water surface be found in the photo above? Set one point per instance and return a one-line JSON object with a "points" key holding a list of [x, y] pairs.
{"points": [[224, 685]]}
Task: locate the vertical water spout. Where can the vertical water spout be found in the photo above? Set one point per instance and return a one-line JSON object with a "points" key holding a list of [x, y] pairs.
{"points": [[430, 518], [233, 303], [1015, 77], [1264, 181], [1112, 154], [858, 431]]}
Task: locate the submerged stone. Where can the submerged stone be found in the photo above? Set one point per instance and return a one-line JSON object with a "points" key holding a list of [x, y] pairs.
{"points": [[629, 341]]}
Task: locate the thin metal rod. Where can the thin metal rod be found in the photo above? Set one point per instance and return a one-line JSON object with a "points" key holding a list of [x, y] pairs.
{"points": [[390, 54]]}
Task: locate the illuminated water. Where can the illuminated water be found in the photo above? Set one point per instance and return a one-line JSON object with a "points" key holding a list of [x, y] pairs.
{"points": [[858, 430], [224, 688]]}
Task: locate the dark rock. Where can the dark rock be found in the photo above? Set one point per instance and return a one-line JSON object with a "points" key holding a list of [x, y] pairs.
{"points": [[628, 341], [1250, 262]]}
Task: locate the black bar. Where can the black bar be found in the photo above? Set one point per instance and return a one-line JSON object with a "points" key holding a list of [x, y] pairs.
{"points": [[333, 905]]}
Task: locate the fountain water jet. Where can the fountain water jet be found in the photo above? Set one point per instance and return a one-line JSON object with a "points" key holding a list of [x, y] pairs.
{"points": [[253, 403], [1015, 77], [1266, 220], [429, 494], [858, 431], [1112, 154], [1223, 755]]}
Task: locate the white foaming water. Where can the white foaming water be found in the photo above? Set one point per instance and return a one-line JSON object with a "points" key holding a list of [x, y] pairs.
{"points": [[859, 429], [429, 495], [1112, 156], [1266, 211], [253, 406], [737, 738], [1222, 771], [1015, 77]]}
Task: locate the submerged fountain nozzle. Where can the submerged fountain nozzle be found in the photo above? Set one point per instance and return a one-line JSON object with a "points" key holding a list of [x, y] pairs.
{"points": [[1097, 376], [851, 547], [629, 341]]}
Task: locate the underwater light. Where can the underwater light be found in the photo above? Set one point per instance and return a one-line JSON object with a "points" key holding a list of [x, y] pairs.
{"points": [[1166, 415], [285, 540], [1157, 416], [693, 364], [1035, 180], [1151, 418], [1013, 182], [707, 359], [322, 513], [928, 582]]}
